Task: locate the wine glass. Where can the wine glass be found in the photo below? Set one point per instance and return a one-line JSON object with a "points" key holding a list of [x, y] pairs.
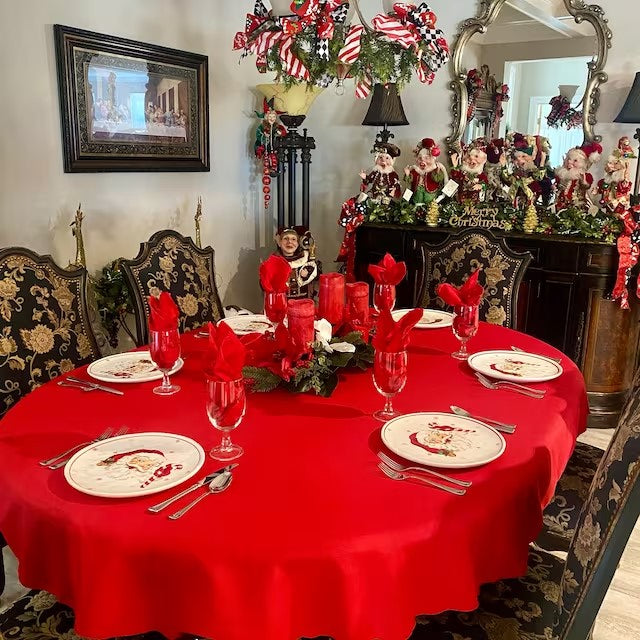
{"points": [[389, 378], [275, 307], [384, 297], [164, 347], [226, 404], [465, 326]]}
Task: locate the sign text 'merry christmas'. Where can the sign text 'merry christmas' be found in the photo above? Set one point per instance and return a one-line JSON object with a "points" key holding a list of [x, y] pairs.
{"points": [[472, 217]]}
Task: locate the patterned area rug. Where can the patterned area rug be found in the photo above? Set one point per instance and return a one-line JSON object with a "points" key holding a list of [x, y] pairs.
{"points": [[39, 616]]}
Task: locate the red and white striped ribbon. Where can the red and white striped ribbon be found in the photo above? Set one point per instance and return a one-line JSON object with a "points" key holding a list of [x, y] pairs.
{"points": [[265, 41], [292, 64], [363, 87], [351, 50], [394, 31]]}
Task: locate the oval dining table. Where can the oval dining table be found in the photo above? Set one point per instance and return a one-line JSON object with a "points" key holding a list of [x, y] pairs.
{"points": [[311, 538]]}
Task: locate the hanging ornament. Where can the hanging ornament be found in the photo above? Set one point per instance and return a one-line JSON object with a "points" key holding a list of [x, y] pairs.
{"points": [[268, 130]]}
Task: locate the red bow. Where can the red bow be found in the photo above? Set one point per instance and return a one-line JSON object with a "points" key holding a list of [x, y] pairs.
{"points": [[388, 271], [469, 294]]}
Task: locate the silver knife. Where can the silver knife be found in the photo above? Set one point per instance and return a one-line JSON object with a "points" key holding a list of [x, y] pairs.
{"points": [[159, 507], [93, 385]]}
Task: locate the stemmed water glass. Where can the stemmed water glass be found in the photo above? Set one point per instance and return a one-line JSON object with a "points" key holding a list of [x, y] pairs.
{"points": [[389, 378], [226, 405], [164, 347], [275, 307], [384, 296], [465, 326]]}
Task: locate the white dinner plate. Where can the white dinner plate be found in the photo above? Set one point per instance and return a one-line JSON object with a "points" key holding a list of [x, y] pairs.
{"points": [[516, 366], [431, 318], [241, 325], [133, 366], [135, 464], [443, 440]]}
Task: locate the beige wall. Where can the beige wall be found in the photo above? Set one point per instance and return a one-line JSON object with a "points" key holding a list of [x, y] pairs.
{"points": [[37, 199]]}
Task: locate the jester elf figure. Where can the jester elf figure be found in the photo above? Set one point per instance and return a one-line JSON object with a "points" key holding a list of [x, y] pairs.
{"points": [[573, 179], [612, 193], [297, 246], [470, 176], [529, 182], [268, 130], [628, 244], [427, 176], [495, 168], [382, 183]]}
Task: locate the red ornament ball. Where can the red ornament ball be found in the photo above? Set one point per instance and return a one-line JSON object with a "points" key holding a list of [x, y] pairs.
{"points": [[266, 189], [266, 180]]}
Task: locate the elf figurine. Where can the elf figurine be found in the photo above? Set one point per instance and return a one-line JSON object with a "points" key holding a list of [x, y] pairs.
{"points": [[427, 176], [495, 168], [382, 183], [573, 180], [470, 176], [628, 244], [268, 130], [529, 182], [612, 193]]}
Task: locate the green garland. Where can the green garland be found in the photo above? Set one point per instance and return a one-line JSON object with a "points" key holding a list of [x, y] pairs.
{"points": [[601, 226], [320, 372]]}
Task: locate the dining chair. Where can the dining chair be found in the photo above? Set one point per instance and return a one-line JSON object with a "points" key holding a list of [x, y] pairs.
{"points": [[45, 329], [559, 599], [171, 262], [457, 257]]}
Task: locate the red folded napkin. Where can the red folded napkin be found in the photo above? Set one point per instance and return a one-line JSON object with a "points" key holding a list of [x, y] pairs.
{"points": [[274, 274], [226, 354], [388, 271], [470, 293], [392, 336], [163, 312]]}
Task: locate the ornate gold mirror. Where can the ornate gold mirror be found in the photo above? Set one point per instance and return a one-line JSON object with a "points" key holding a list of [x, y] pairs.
{"points": [[516, 55]]}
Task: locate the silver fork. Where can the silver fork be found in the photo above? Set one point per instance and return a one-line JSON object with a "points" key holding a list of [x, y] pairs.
{"points": [[518, 350], [67, 457], [396, 475], [396, 466], [64, 383], [103, 436], [511, 386]]}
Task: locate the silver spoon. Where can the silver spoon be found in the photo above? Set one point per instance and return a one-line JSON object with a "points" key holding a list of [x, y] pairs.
{"points": [[500, 426], [217, 485]]}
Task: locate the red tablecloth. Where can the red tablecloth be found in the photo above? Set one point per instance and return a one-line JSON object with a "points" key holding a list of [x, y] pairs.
{"points": [[311, 538]]}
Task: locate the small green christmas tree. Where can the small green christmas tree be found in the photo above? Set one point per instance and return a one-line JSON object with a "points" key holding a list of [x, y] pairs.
{"points": [[530, 219]]}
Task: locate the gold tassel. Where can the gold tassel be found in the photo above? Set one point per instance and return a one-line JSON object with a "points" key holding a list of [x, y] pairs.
{"points": [[76, 230], [433, 213], [530, 219], [197, 219]]}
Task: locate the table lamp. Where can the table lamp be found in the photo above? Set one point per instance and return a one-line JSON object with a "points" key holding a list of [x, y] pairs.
{"points": [[385, 110], [630, 114]]}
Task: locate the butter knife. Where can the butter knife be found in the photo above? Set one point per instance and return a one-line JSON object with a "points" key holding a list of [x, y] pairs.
{"points": [[93, 385], [160, 506]]}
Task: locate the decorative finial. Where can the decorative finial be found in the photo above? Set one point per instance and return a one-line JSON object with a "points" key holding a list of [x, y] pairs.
{"points": [[76, 230], [197, 219]]}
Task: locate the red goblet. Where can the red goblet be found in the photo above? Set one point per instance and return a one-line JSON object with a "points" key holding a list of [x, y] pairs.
{"points": [[226, 405], [465, 326], [164, 347], [389, 378], [275, 307], [384, 297]]}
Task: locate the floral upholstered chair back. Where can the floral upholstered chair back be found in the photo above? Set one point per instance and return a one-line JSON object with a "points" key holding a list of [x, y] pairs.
{"points": [[455, 259], [606, 522], [170, 262], [45, 328]]}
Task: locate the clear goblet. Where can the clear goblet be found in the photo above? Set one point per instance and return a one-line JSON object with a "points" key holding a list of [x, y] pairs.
{"points": [[384, 297], [275, 307], [164, 347], [226, 405], [465, 326], [389, 378]]}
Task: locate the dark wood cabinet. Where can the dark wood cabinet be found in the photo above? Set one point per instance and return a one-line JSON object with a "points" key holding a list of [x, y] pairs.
{"points": [[563, 300]]}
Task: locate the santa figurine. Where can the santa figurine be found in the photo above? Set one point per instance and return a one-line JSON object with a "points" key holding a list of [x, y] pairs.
{"points": [[529, 182], [427, 176], [470, 176], [612, 193], [382, 183], [573, 180], [495, 168]]}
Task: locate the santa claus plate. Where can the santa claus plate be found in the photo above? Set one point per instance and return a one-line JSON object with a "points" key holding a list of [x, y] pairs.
{"points": [[431, 318], [132, 366], [515, 366], [241, 325], [134, 465], [443, 440]]}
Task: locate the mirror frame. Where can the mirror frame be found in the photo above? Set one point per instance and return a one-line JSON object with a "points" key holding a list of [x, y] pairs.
{"points": [[596, 76]]}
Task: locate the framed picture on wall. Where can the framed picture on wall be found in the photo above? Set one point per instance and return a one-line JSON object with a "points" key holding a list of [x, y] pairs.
{"points": [[130, 106]]}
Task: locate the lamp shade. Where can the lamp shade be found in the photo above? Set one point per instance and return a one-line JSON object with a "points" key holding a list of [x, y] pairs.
{"points": [[385, 107], [630, 113]]}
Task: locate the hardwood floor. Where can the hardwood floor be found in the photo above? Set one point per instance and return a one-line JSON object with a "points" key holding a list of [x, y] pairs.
{"points": [[619, 616]]}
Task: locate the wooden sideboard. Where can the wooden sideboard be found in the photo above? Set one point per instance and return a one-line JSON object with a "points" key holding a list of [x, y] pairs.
{"points": [[563, 300]]}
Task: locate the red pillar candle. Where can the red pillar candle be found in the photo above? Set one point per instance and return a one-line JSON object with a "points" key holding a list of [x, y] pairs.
{"points": [[301, 314], [358, 302], [331, 298]]}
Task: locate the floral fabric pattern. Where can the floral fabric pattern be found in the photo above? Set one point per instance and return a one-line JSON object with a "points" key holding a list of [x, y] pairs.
{"points": [[171, 262], [45, 330], [458, 258]]}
